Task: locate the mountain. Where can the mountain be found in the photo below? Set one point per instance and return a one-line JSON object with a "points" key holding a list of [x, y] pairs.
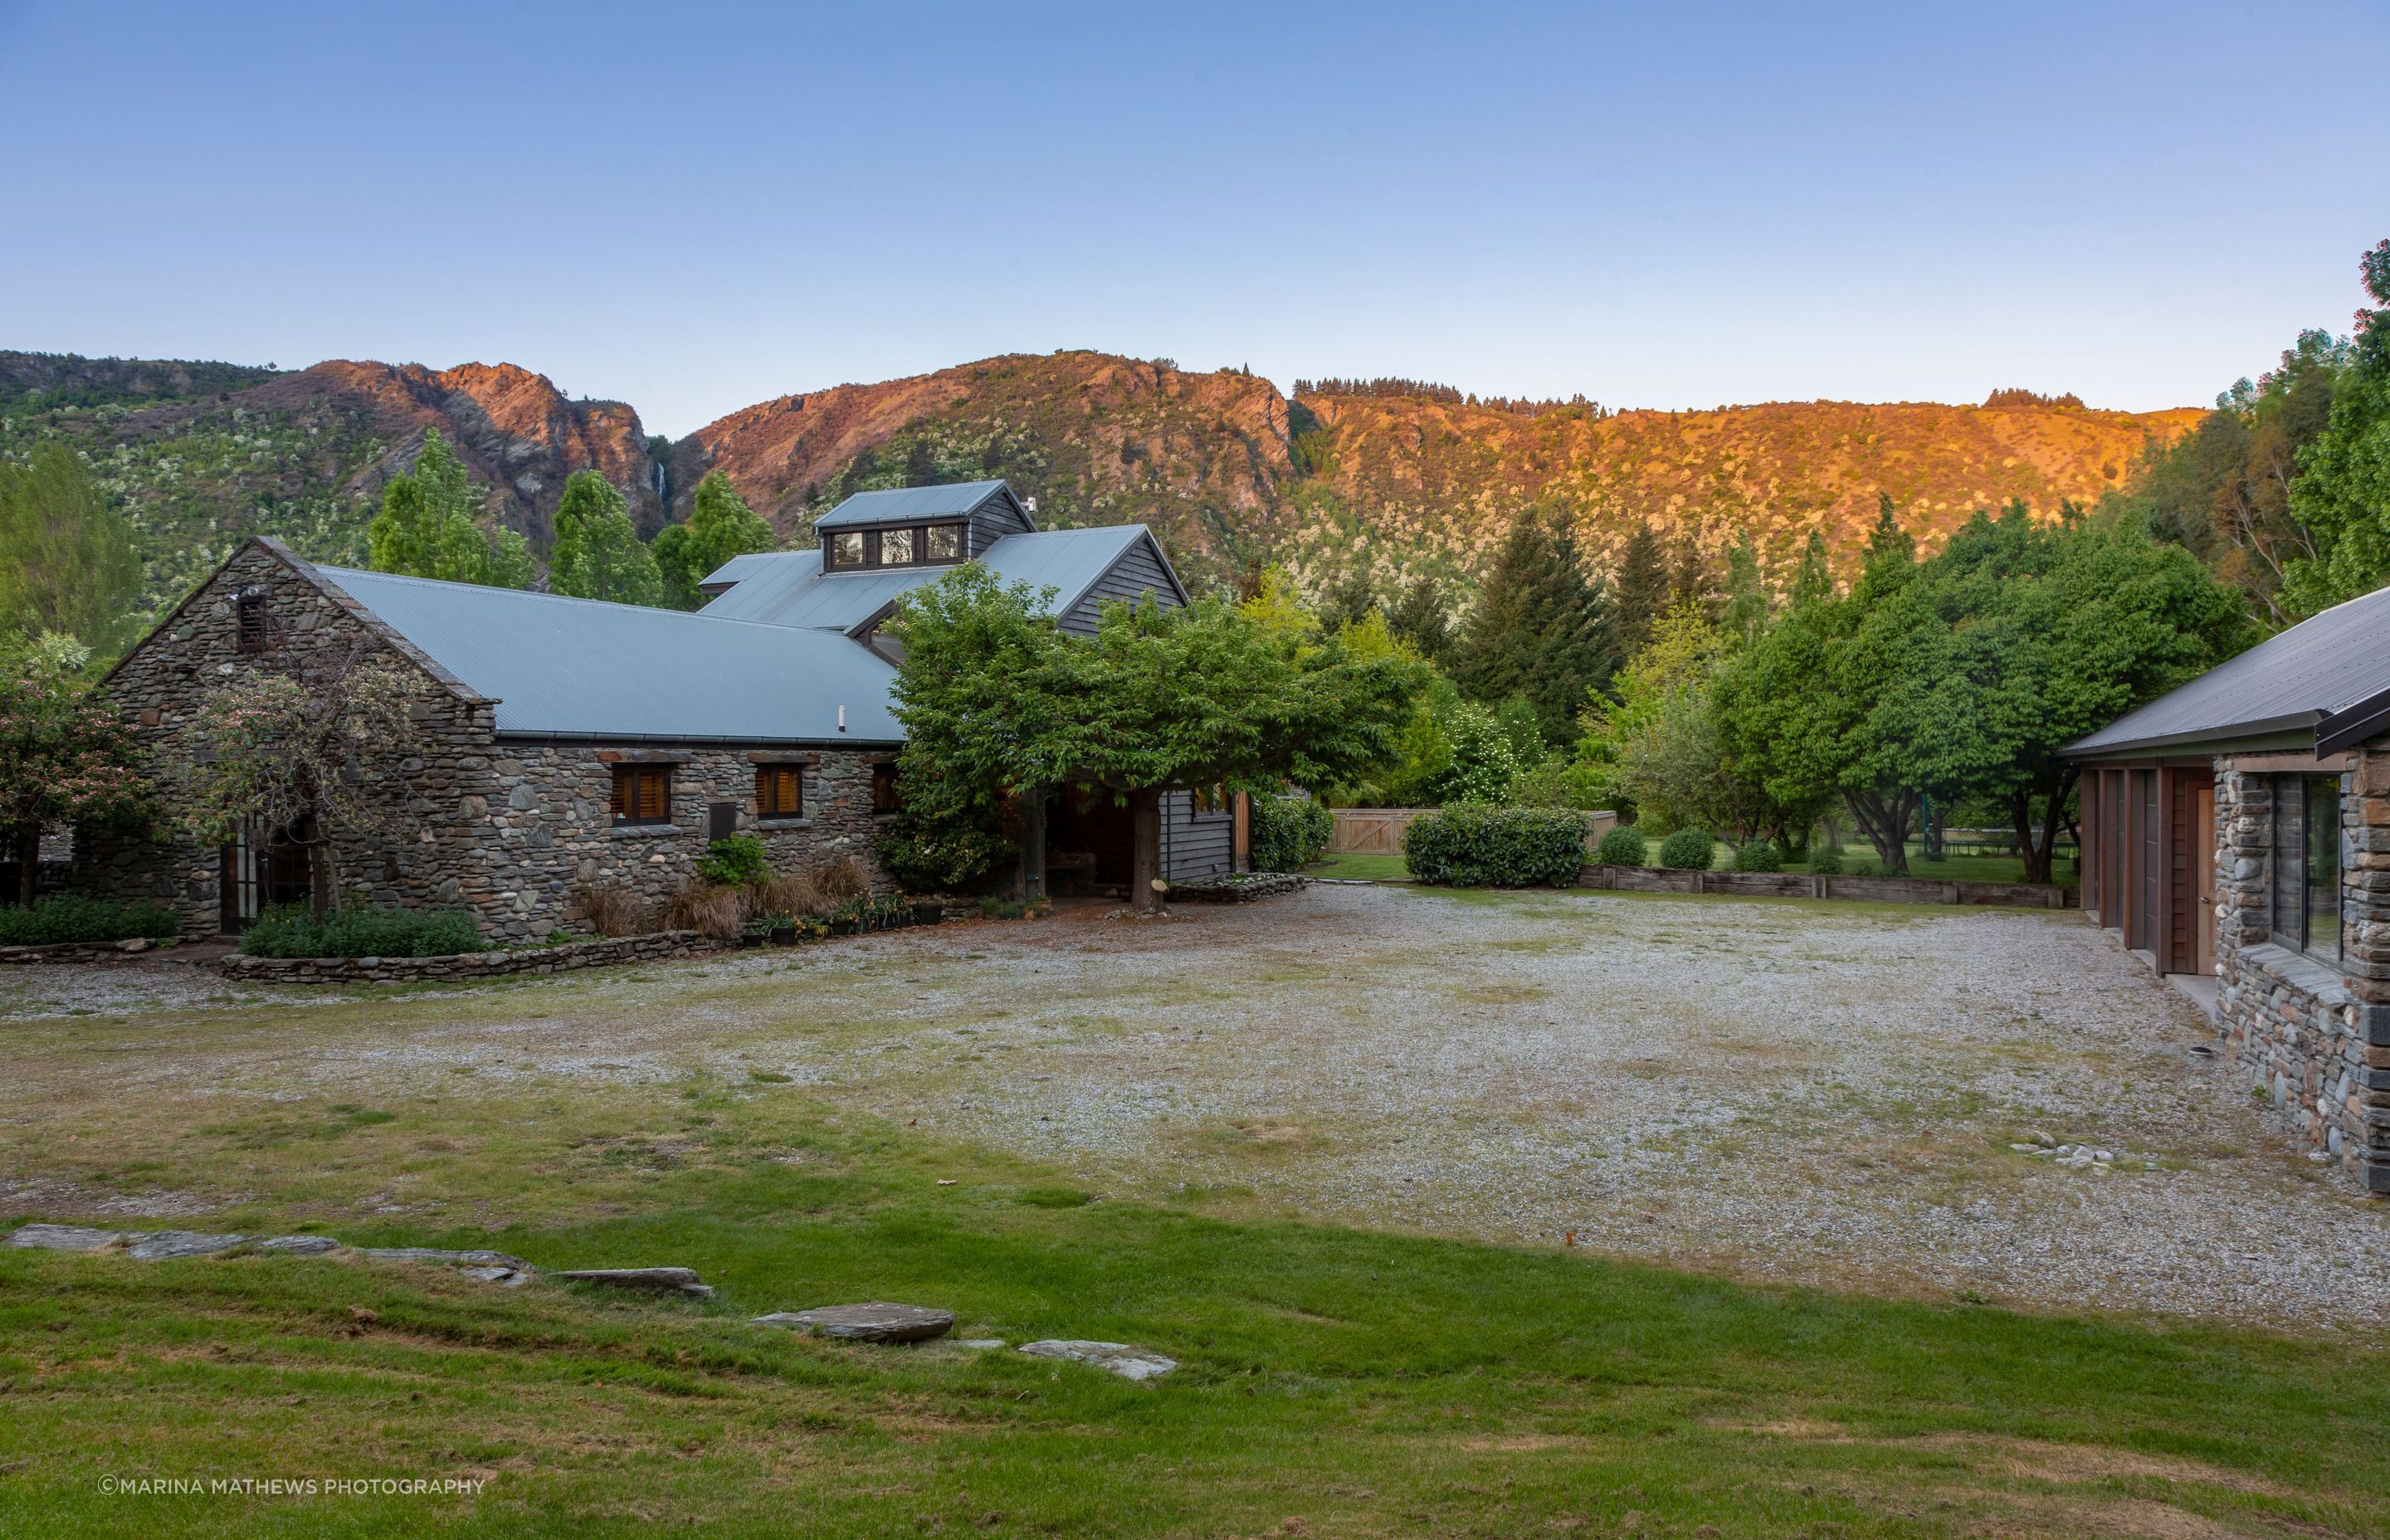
{"points": [[1390, 475], [200, 456]]}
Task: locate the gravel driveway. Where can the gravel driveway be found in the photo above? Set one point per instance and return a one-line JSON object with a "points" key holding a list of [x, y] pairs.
{"points": [[1775, 1089]]}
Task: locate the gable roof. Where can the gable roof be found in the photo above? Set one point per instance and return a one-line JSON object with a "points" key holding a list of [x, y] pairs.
{"points": [[790, 587], [739, 568], [583, 669], [904, 505], [2327, 676]]}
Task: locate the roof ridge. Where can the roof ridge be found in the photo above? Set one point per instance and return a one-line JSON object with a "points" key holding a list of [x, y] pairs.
{"points": [[561, 598]]}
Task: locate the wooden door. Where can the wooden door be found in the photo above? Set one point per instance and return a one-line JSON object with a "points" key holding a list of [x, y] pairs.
{"points": [[2202, 879]]}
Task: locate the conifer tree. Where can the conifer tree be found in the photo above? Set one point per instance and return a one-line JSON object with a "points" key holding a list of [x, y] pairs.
{"points": [[428, 526], [1641, 593], [720, 526], [1541, 630], [597, 554]]}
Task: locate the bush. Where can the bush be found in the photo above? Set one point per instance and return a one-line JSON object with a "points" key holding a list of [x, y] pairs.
{"points": [[72, 917], [706, 909], [1624, 846], [1825, 862], [613, 911], [292, 931], [1689, 850], [1496, 847], [1758, 856], [842, 879], [1289, 833], [734, 861]]}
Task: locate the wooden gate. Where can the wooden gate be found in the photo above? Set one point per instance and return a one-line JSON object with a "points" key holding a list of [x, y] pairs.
{"points": [[1371, 830]]}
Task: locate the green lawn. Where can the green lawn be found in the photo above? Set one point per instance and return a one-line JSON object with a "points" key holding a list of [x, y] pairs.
{"points": [[1367, 869], [1334, 1382]]}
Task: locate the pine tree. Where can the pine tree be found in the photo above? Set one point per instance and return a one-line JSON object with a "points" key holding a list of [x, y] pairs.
{"points": [[1541, 630], [1641, 589], [597, 554], [1815, 579], [720, 526]]}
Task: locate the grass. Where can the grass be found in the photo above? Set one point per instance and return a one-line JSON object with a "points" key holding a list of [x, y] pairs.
{"points": [[1365, 868], [1334, 1382]]}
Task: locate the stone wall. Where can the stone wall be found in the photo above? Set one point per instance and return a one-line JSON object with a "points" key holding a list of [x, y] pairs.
{"points": [[465, 964], [513, 830], [2314, 1037]]}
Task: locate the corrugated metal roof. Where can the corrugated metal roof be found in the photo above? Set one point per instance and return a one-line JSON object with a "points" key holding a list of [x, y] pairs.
{"points": [[899, 503], [2327, 674], [739, 568], [578, 668], [788, 593]]}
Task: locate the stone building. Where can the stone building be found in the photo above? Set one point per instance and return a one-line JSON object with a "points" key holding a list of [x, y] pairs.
{"points": [[2237, 837], [571, 745]]}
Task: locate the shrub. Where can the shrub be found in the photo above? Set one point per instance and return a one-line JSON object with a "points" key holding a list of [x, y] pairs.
{"points": [[1690, 850], [706, 909], [1758, 856], [292, 931], [842, 879], [997, 906], [1496, 847], [1624, 846], [734, 861], [72, 917], [797, 895], [1825, 862], [1289, 833], [613, 911]]}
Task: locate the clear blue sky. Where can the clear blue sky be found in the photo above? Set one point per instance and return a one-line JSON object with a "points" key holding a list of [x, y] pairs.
{"points": [[695, 208]]}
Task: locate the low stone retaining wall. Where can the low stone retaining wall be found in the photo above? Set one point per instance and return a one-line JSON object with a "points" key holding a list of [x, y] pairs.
{"points": [[1237, 888], [468, 965], [1881, 890], [81, 951]]}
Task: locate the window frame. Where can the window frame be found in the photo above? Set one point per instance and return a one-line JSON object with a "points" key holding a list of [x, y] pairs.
{"points": [[768, 781], [885, 797], [928, 558], [2296, 835], [871, 546], [635, 776], [831, 557]]}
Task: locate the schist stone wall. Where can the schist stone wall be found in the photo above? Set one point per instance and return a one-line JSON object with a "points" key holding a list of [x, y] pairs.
{"points": [[512, 830], [2315, 1037]]}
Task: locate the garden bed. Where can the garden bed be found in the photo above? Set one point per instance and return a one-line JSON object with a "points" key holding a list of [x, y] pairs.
{"points": [[1881, 890], [1237, 888]]}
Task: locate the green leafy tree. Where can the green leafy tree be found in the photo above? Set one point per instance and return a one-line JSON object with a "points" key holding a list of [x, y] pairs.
{"points": [[66, 756], [999, 707], [429, 527], [720, 525], [597, 554], [67, 561], [2343, 492], [1541, 629]]}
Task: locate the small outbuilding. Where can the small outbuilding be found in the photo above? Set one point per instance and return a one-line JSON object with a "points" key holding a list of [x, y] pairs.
{"points": [[2236, 833]]}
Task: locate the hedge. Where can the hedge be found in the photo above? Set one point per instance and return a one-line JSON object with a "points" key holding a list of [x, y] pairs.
{"points": [[1289, 833], [72, 917], [290, 931], [1496, 847]]}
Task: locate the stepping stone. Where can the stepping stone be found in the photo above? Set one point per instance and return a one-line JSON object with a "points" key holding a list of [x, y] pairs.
{"points": [[166, 1245], [439, 1258], [505, 1277], [875, 1322], [1129, 1361], [654, 1280], [301, 1245], [66, 1237]]}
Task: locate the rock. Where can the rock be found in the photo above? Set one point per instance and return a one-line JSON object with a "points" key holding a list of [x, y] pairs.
{"points": [[2042, 1140], [876, 1322], [300, 1245], [982, 1343], [1119, 1358], [166, 1245], [438, 1258], [2026, 1149], [505, 1277], [136, 943], [653, 1280], [65, 1237]]}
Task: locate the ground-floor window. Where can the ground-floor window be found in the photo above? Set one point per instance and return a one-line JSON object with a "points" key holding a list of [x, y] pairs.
{"points": [[643, 793], [779, 791], [2306, 864]]}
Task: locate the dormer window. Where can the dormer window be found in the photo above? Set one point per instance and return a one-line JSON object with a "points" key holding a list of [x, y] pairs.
{"points": [[896, 546]]}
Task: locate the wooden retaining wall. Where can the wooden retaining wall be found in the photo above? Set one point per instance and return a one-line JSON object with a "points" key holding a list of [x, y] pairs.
{"points": [[1881, 890], [1379, 830]]}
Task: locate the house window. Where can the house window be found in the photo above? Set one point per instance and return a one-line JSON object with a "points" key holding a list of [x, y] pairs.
{"points": [[642, 794], [779, 791], [254, 628], [896, 547], [2306, 864], [884, 798], [846, 548], [944, 542], [1206, 800]]}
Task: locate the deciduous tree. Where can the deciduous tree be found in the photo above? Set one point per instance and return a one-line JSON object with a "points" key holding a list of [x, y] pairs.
{"points": [[597, 554], [429, 527], [2343, 492], [65, 757], [720, 525], [67, 562]]}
